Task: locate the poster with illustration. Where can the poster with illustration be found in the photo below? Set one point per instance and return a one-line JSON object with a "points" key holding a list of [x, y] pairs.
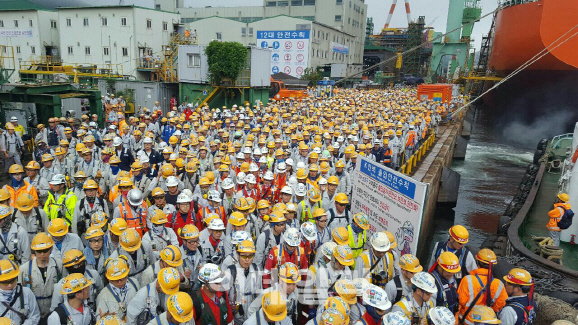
{"points": [[392, 201]]}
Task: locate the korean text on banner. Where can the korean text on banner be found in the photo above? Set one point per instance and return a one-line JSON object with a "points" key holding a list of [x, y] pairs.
{"points": [[392, 201], [289, 50]]}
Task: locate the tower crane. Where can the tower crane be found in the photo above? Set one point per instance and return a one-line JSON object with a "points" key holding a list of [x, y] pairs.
{"points": [[407, 11]]}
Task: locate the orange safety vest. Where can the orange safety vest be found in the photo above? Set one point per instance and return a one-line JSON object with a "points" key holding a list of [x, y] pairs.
{"points": [[557, 214], [25, 188], [410, 139], [220, 212], [139, 222], [471, 285]]}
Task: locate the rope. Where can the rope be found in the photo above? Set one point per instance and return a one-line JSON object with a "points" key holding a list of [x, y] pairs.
{"points": [[416, 47], [528, 63], [552, 309]]}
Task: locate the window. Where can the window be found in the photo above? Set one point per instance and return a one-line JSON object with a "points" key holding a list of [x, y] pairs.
{"points": [[271, 4], [70, 50], [149, 23], [5, 49], [85, 22], [250, 31], [194, 60], [219, 36], [337, 17], [87, 50], [165, 25], [105, 51], [68, 22], [157, 7], [104, 21], [15, 22], [1, 23], [125, 51], [338, 2], [283, 3], [17, 49], [243, 31], [297, 2], [123, 21], [30, 23], [33, 49], [53, 24], [309, 2], [349, 20]]}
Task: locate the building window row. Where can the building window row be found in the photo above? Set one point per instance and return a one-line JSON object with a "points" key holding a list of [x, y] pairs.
{"points": [[285, 3]]}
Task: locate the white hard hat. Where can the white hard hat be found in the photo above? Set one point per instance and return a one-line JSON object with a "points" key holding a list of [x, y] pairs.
{"points": [[187, 192], [340, 138], [376, 297], [183, 198], [380, 242], [287, 190], [14, 119], [301, 190], [442, 316], [322, 181], [116, 141], [290, 162], [309, 231], [292, 237], [172, 181], [360, 283], [144, 159], [147, 140], [399, 318], [211, 273], [268, 175], [241, 178], [112, 126], [263, 160], [281, 167], [227, 184], [327, 249], [135, 197], [247, 150], [317, 150], [173, 156], [253, 167], [216, 224], [336, 145], [251, 179], [239, 236], [300, 165], [177, 133], [292, 181], [214, 196], [58, 179], [240, 156], [411, 127], [424, 281], [163, 145], [92, 124], [257, 151]]}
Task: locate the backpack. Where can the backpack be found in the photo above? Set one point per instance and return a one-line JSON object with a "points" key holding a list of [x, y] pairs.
{"points": [[566, 219]]}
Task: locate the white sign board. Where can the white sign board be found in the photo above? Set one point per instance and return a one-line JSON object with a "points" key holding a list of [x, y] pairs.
{"points": [[15, 32], [392, 201], [289, 50]]}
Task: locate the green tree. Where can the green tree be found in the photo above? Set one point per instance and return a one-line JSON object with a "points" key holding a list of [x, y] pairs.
{"points": [[226, 60], [312, 75]]}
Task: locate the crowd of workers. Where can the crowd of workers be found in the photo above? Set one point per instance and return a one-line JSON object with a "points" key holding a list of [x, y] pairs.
{"points": [[235, 215]]}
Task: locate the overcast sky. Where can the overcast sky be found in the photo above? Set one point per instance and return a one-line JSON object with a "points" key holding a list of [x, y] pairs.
{"points": [[435, 11]]}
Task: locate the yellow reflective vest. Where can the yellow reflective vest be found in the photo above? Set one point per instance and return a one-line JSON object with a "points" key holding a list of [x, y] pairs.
{"points": [[356, 245], [53, 207]]}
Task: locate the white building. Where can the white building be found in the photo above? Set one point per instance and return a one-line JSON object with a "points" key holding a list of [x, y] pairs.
{"points": [[114, 34], [331, 21], [30, 31]]}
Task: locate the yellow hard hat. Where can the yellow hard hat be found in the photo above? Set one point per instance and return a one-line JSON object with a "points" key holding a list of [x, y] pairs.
{"points": [[449, 262], [172, 256], [347, 290], [157, 191], [339, 305], [169, 280], [263, 204], [130, 240], [204, 181], [237, 219], [486, 256], [410, 263], [274, 306], [24, 202], [314, 195], [349, 149], [158, 217], [173, 140], [361, 220], [324, 166], [276, 217], [93, 232], [333, 316], [137, 165], [167, 170], [313, 168], [16, 169], [343, 254], [6, 320], [125, 182], [109, 320], [289, 273], [8, 270], [33, 165], [57, 227], [301, 173], [98, 219], [41, 242], [116, 268], [90, 184], [74, 282], [341, 198], [340, 164], [460, 234], [319, 212], [180, 306], [72, 257], [481, 314], [334, 180], [563, 197], [246, 246], [117, 226], [340, 235], [189, 232], [391, 237], [519, 277], [191, 167], [242, 204]]}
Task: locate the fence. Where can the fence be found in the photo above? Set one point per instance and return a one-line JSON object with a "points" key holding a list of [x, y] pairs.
{"points": [[411, 163]]}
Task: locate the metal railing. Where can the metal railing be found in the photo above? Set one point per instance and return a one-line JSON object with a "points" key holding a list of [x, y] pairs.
{"points": [[411, 163], [45, 65]]}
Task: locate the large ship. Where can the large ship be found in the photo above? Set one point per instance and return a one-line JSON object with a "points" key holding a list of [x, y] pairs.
{"points": [[524, 30]]}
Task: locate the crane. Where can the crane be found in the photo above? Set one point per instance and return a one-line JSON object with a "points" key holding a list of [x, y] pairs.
{"points": [[407, 11]]}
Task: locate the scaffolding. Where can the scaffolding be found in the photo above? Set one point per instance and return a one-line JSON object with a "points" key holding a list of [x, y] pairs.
{"points": [[165, 69], [7, 63], [413, 61]]}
